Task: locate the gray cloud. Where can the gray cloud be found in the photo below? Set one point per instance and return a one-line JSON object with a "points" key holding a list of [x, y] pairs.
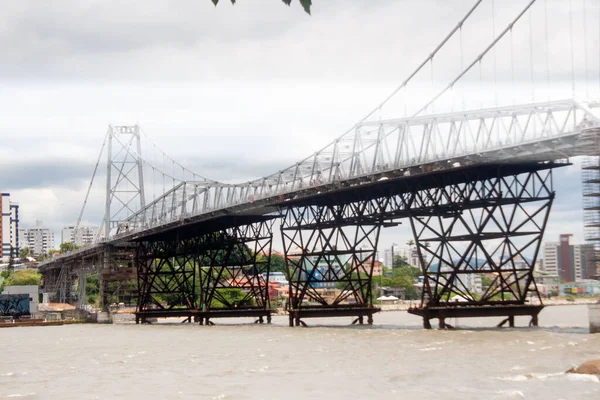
{"points": [[121, 40], [239, 92], [31, 173]]}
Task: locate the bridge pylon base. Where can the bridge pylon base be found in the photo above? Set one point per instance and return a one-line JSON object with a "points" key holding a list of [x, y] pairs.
{"points": [[329, 259], [447, 314]]}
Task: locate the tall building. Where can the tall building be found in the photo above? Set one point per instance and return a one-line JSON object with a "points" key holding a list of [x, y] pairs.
{"points": [[9, 227], [411, 255], [570, 262], [82, 236], [40, 240]]}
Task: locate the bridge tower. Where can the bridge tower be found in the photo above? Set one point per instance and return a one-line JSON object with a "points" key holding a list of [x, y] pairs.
{"points": [[124, 176], [124, 196]]}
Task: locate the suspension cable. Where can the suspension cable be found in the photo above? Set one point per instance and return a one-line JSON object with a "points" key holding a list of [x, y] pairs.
{"points": [[585, 50], [432, 87], [512, 65], [478, 58], [547, 48], [194, 175], [420, 67], [531, 57], [462, 94], [494, 53], [87, 195], [572, 50]]}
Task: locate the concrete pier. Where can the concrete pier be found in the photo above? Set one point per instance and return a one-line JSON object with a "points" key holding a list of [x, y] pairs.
{"points": [[594, 315], [104, 317]]}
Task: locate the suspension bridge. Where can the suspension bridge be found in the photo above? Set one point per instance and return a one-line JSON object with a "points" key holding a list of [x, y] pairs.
{"points": [[474, 184]]}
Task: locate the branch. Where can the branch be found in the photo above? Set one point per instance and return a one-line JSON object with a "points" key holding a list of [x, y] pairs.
{"points": [[305, 4]]}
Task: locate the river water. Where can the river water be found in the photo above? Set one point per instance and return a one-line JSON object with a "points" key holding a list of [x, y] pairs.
{"points": [[394, 359]]}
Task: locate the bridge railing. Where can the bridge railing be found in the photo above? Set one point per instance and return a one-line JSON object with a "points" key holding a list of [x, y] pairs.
{"points": [[551, 130]]}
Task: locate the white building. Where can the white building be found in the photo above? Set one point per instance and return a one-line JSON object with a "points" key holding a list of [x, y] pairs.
{"points": [[39, 240], [473, 283], [571, 262], [82, 236], [411, 254], [277, 277], [9, 226], [550, 263]]}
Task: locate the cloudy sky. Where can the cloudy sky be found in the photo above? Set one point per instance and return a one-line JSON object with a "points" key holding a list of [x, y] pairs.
{"points": [[238, 92]]}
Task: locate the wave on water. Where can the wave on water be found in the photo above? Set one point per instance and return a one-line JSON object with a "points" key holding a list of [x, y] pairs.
{"points": [[512, 394], [557, 375], [19, 395]]}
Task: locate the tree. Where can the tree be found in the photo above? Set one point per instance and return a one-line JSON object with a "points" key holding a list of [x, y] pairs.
{"points": [[24, 277], [399, 261], [305, 4], [277, 263], [402, 277], [92, 289], [25, 252], [67, 246]]}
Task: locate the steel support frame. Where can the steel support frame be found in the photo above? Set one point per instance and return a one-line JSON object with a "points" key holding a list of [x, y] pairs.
{"points": [[166, 279], [327, 248], [59, 282], [196, 272], [487, 227], [237, 258]]}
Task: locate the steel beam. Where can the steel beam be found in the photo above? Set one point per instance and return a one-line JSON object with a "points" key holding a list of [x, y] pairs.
{"points": [[212, 275], [329, 265]]}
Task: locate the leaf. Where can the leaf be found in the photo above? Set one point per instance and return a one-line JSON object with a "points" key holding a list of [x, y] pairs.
{"points": [[306, 5], [215, 2]]}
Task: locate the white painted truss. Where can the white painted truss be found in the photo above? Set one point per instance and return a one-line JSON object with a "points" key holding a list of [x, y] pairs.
{"points": [[378, 149]]}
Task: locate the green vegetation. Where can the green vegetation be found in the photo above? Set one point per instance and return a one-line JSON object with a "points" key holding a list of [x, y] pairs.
{"points": [[47, 256], [67, 246], [92, 290], [3, 276], [401, 277], [305, 4], [23, 277], [233, 296], [277, 263], [25, 252]]}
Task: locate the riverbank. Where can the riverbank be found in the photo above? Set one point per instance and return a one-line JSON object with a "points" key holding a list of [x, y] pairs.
{"points": [[37, 322]]}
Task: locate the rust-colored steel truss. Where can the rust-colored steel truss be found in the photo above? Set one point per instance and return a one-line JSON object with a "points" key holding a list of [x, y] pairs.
{"points": [[489, 228], [212, 275], [330, 251]]}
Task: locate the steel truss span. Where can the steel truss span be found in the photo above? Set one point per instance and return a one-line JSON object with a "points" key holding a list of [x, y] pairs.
{"points": [[212, 275], [328, 248], [477, 222], [489, 228]]}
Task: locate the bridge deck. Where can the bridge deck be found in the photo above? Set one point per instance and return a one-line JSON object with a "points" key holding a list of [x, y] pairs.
{"points": [[339, 193]]}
